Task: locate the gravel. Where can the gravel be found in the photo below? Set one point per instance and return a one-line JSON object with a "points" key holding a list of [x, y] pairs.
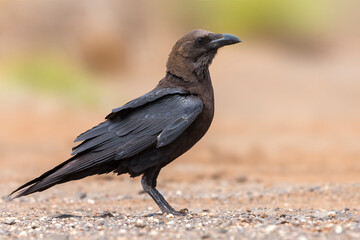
{"points": [[217, 211], [263, 223]]}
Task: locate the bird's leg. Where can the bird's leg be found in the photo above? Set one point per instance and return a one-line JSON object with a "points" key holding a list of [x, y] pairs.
{"points": [[148, 183]]}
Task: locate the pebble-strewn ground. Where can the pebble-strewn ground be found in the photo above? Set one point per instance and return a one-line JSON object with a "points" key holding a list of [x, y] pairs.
{"points": [[218, 210]]}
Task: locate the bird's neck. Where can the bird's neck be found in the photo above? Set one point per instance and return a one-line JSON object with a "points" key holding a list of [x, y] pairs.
{"points": [[204, 77], [202, 88], [193, 81], [189, 70]]}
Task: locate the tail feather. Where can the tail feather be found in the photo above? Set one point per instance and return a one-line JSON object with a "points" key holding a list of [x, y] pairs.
{"points": [[38, 179], [75, 168]]}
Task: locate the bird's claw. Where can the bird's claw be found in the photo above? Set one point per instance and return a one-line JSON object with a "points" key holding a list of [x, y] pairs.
{"points": [[182, 212]]}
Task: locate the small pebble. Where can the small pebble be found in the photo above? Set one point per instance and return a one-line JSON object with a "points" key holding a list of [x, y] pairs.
{"points": [[10, 221], [338, 229], [302, 238], [331, 214], [270, 228], [82, 195], [153, 233]]}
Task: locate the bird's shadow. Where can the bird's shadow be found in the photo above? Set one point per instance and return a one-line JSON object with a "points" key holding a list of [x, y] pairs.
{"points": [[66, 215], [106, 214], [154, 214]]}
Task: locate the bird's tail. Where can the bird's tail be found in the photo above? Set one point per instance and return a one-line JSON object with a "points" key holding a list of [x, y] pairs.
{"points": [[37, 184], [75, 168]]}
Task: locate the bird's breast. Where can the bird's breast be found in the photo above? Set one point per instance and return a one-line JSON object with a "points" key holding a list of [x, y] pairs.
{"points": [[199, 127]]}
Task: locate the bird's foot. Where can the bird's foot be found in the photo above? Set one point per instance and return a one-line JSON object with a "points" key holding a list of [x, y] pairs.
{"points": [[182, 212]]}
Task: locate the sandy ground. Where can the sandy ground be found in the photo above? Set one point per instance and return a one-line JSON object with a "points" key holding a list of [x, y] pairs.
{"points": [[281, 160], [108, 208]]}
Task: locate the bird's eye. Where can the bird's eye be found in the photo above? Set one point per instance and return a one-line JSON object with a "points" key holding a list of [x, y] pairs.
{"points": [[199, 40]]}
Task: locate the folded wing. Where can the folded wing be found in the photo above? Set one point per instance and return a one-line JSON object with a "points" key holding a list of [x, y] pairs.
{"points": [[151, 121], [155, 123]]}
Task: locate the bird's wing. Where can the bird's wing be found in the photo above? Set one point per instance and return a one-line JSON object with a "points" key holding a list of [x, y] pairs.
{"points": [[146, 98], [158, 122], [128, 107], [154, 123]]}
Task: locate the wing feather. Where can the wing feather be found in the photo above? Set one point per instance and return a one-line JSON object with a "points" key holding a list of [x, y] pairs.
{"points": [[160, 122], [147, 98], [153, 120]]}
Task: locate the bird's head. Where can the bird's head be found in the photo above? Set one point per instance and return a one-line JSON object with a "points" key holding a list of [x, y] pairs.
{"points": [[193, 53]]}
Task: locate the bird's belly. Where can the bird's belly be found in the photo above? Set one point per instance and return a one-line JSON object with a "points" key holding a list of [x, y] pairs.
{"points": [[192, 135]]}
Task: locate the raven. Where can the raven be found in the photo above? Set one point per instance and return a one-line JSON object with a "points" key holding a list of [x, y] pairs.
{"points": [[149, 132]]}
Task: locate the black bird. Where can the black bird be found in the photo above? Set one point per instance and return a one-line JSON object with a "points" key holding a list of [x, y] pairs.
{"points": [[147, 133]]}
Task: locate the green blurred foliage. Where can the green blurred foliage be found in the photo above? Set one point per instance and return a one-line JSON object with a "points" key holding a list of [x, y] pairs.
{"points": [[257, 17], [50, 74]]}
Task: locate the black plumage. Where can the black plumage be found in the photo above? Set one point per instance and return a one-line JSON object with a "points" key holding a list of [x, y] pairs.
{"points": [[149, 132]]}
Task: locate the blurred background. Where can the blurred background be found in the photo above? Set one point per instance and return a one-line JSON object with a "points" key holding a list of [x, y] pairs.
{"points": [[287, 97]]}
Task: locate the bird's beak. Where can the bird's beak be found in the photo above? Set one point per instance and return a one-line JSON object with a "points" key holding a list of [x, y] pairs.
{"points": [[225, 39]]}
